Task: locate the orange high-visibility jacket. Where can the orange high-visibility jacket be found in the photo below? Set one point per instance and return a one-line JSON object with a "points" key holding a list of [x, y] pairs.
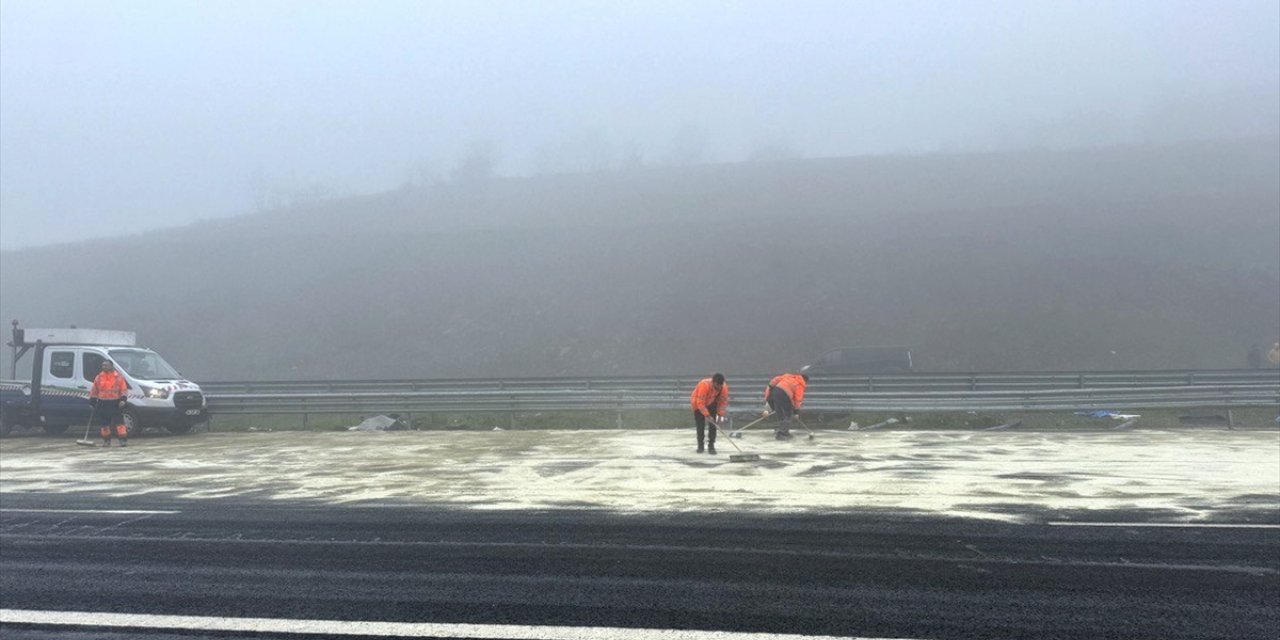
{"points": [[704, 393], [772, 383], [109, 385], [791, 384]]}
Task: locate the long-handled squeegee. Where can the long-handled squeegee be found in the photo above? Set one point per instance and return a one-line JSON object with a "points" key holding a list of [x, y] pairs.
{"points": [[805, 426], [740, 456], [85, 441]]}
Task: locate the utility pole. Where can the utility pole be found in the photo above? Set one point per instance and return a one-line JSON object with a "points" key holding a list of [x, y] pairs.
{"points": [[13, 346]]}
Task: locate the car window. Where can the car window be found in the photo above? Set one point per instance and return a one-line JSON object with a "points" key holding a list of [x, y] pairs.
{"points": [[62, 364], [90, 363]]}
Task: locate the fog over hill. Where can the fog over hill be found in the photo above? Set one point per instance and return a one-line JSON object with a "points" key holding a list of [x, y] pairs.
{"points": [[1122, 257]]}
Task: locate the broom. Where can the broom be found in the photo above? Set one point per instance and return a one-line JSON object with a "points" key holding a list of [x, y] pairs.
{"points": [[85, 441], [806, 427], [740, 456], [738, 433]]}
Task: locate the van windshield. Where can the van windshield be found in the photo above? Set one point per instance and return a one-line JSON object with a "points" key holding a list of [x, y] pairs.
{"points": [[143, 364]]}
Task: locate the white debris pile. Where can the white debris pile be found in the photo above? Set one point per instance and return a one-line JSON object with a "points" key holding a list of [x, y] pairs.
{"points": [[380, 423]]}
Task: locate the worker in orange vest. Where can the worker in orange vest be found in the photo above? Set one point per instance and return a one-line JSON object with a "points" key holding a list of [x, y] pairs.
{"points": [[784, 395], [710, 401], [108, 396]]}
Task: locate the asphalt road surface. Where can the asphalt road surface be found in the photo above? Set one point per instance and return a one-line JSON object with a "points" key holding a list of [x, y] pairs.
{"points": [[89, 550]]}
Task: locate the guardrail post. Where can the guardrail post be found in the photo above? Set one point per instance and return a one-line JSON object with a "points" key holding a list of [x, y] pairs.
{"points": [[973, 383], [619, 411], [304, 422]]}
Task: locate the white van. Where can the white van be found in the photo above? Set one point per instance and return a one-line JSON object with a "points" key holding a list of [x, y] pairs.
{"points": [[64, 364]]}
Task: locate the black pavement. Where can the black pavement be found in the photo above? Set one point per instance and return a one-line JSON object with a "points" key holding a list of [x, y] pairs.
{"points": [[879, 574]]}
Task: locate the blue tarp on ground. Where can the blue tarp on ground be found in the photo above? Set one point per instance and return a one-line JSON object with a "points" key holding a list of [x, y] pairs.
{"points": [[1115, 415]]}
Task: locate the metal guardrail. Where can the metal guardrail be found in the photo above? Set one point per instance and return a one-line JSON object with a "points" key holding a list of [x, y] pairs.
{"points": [[914, 392], [870, 383]]}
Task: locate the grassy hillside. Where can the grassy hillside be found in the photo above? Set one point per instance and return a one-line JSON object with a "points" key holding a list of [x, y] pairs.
{"points": [[1166, 256]]}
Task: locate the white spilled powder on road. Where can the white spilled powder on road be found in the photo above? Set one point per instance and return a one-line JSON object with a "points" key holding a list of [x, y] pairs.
{"points": [[1192, 474]]}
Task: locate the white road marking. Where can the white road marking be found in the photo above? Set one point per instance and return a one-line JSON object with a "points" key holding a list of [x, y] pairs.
{"points": [[384, 629], [1180, 525], [127, 512]]}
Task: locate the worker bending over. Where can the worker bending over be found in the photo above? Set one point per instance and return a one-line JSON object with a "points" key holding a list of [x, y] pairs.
{"points": [[784, 395], [710, 400]]}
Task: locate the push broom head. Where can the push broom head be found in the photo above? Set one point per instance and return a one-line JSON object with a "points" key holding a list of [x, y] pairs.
{"points": [[740, 456], [86, 442]]}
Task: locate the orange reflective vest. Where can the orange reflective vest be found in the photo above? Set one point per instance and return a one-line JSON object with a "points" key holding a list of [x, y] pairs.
{"points": [[109, 385], [705, 393], [792, 384]]}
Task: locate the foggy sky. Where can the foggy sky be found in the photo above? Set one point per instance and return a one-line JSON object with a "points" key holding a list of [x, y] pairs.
{"points": [[117, 117]]}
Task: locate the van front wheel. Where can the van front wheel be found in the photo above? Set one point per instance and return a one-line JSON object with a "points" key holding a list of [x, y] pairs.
{"points": [[180, 429], [55, 429], [131, 424]]}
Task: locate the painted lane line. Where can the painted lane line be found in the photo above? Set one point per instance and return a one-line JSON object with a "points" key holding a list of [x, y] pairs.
{"points": [[106, 511], [382, 629], [1179, 525]]}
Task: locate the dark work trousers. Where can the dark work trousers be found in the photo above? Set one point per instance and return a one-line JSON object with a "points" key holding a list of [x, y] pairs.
{"points": [[780, 402], [700, 421], [107, 414]]}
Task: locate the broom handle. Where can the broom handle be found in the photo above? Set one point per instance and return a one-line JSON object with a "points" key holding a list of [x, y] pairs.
{"points": [[735, 445], [806, 427], [89, 424], [752, 423]]}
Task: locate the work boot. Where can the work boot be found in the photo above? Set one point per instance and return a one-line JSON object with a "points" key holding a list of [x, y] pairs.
{"points": [[106, 442], [711, 449], [124, 442], [699, 448], [782, 434]]}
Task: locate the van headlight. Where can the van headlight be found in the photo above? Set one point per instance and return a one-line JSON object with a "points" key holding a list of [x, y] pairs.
{"points": [[156, 393]]}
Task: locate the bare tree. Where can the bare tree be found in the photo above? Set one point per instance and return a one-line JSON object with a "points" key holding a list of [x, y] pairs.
{"points": [[479, 163], [260, 189], [421, 172], [689, 146]]}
